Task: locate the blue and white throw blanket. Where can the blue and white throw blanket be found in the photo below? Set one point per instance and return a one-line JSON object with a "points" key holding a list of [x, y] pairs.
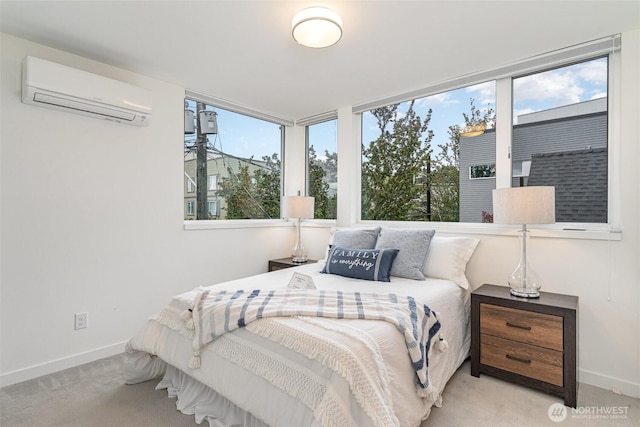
{"points": [[217, 312]]}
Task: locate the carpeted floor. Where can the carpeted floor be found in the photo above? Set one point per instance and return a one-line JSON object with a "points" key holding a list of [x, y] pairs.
{"points": [[95, 395]]}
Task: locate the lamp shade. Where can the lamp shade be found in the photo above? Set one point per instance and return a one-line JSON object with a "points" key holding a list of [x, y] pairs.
{"points": [[316, 27], [297, 207], [524, 205]]}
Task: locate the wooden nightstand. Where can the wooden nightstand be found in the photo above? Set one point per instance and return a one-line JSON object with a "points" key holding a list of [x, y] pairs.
{"points": [[528, 341], [279, 264]]}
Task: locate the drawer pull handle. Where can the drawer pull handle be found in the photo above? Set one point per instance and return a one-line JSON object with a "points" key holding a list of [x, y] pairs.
{"points": [[518, 359], [526, 328]]}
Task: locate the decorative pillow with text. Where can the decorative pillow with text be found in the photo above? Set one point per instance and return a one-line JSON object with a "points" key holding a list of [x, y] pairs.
{"points": [[367, 264]]}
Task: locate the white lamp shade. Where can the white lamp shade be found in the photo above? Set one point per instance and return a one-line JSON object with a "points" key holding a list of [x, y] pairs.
{"points": [[297, 207], [316, 27], [524, 205]]}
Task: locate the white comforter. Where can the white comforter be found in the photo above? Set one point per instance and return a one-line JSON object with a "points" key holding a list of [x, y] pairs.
{"points": [[370, 383]]}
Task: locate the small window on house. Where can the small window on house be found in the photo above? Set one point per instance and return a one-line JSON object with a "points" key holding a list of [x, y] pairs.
{"points": [[482, 171], [213, 209], [190, 210], [212, 182]]}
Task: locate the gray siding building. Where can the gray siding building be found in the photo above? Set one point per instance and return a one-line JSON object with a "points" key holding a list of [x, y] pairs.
{"points": [[564, 147]]}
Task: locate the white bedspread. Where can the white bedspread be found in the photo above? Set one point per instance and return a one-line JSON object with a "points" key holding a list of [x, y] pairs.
{"points": [[323, 394]]}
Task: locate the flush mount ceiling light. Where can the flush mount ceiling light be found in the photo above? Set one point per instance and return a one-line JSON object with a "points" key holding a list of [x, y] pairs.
{"points": [[316, 27], [473, 130]]}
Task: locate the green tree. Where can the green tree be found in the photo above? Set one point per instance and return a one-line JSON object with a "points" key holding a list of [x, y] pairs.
{"points": [[237, 192], [256, 198], [393, 162], [268, 186], [486, 117], [321, 172]]}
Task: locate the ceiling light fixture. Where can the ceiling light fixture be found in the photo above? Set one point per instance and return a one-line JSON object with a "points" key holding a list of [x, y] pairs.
{"points": [[316, 27], [473, 130]]}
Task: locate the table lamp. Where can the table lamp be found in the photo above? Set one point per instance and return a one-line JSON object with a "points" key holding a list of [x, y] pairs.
{"points": [[524, 205]]}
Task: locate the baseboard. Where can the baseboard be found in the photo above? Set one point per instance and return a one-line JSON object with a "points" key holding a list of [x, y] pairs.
{"points": [[609, 383], [47, 368]]}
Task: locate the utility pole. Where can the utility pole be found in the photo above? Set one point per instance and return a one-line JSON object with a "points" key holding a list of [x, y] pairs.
{"points": [[429, 180], [202, 207]]}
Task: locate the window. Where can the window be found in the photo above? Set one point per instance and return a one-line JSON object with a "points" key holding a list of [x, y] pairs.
{"points": [[556, 135], [237, 162], [560, 135], [482, 171], [322, 168], [213, 208], [190, 210], [212, 182], [411, 154]]}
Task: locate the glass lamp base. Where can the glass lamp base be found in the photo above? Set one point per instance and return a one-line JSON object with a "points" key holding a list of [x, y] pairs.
{"points": [[525, 293], [299, 260], [523, 281]]}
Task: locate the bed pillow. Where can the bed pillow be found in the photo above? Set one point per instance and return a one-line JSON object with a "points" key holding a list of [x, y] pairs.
{"points": [[413, 245], [448, 257], [356, 239], [367, 264]]}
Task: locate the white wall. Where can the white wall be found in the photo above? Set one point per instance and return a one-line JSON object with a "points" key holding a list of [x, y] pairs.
{"points": [[91, 221]]}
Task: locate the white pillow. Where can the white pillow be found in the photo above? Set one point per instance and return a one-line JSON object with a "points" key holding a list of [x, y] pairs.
{"points": [[448, 257]]}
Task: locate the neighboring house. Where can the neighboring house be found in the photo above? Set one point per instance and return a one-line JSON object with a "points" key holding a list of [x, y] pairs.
{"points": [[565, 147], [218, 166]]}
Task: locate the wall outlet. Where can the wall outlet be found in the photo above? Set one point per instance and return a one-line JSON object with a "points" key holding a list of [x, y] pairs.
{"points": [[81, 320]]}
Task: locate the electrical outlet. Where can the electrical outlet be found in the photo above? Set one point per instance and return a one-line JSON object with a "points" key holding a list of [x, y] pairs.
{"points": [[81, 320]]}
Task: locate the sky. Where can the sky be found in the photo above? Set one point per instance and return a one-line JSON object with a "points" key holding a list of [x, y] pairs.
{"points": [[243, 136]]}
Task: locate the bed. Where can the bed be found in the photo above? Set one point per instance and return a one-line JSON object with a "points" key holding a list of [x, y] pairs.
{"points": [[299, 369]]}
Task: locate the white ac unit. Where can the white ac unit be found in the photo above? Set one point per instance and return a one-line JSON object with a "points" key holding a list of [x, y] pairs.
{"points": [[56, 86]]}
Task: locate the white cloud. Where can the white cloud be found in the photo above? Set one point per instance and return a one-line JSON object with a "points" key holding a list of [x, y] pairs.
{"points": [[563, 86], [440, 99], [594, 72], [559, 86], [485, 93]]}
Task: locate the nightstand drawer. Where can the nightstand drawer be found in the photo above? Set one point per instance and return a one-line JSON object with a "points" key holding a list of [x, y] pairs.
{"points": [[539, 329], [528, 360]]}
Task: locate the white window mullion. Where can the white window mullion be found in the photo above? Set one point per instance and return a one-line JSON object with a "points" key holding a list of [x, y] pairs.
{"points": [[504, 124]]}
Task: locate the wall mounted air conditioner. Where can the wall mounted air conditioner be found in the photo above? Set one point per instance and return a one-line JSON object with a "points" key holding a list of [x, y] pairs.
{"points": [[56, 86]]}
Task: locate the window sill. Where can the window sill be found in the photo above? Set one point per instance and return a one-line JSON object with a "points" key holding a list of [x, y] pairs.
{"points": [[234, 223], [555, 231], [255, 223]]}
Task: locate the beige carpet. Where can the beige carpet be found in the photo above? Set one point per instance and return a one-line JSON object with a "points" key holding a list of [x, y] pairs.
{"points": [[95, 395]]}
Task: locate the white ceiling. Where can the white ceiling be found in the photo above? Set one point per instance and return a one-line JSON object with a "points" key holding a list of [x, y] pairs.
{"points": [[242, 51]]}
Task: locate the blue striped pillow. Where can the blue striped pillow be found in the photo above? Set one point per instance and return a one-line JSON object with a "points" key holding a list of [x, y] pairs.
{"points": [[367, 264]]}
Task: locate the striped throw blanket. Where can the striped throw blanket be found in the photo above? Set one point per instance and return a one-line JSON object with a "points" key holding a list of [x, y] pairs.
{"points": [[217, 312]]}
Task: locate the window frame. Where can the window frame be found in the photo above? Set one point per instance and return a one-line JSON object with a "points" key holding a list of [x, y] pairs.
{"points": [[235, 108]]}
